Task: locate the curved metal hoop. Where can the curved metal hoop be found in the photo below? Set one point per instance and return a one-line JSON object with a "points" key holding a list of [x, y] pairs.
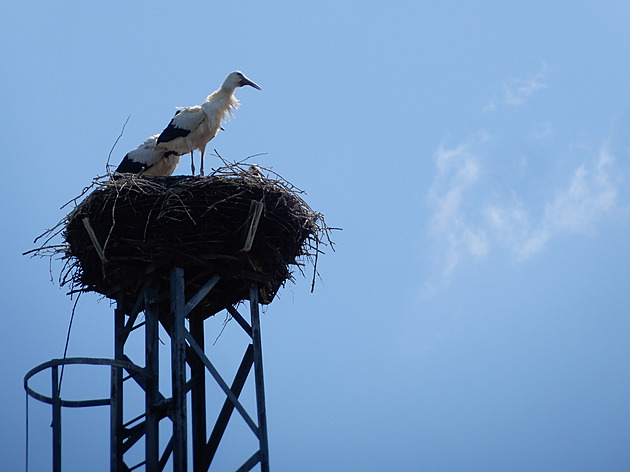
{"points": [[130, 367]]}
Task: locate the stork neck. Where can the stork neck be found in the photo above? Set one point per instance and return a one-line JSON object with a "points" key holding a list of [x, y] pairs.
{"points": [[222, 99], [225, 91]]}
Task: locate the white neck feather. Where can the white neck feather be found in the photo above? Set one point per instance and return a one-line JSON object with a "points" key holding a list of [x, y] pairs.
{"points": [[220, 103]]}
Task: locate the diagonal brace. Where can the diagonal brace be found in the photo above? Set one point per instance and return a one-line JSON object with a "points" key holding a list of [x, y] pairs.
{"points": [[226, 412], [193, 344], [203, 291]]}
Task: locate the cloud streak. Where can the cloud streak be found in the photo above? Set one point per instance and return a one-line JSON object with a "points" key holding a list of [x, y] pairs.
{"points": [[516, 92], [465, 226], [457, 173], [590, 196]]}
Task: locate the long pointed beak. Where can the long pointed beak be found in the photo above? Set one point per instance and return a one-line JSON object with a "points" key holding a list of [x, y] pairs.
{"points": [[246, 81]]}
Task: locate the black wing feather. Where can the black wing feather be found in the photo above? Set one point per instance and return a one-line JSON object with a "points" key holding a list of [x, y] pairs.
{"points": [[172, 132], [130, 166]]}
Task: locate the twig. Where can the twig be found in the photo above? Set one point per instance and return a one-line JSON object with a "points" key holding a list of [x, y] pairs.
{"points": [[65, 349], [227, 319], [95, 181], [226, 163], [122, 131]]}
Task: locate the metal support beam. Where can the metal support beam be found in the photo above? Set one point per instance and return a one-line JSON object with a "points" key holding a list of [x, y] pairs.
{"points": [[198, 394], [228, 407], [259, 379], [56, 419], [178, 370], [222, 384], [116, 409], [203, 291], [250, 463], [152, 366]]}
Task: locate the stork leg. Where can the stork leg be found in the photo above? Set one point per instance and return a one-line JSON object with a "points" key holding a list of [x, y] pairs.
{"points": [[201, 170], [192, 163]]}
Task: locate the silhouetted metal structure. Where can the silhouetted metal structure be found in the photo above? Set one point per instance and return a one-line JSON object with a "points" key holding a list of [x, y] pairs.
{"points": [[185, 326]]}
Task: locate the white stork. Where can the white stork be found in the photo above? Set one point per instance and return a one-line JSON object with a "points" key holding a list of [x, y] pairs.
{"points": [[193, 127], [146, 160]]}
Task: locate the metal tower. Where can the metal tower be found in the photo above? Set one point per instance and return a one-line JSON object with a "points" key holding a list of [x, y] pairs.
{"points": [[184, 323]]}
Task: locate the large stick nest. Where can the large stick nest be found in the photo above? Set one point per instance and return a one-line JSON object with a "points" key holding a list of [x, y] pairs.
{"points": [[143, 226]]}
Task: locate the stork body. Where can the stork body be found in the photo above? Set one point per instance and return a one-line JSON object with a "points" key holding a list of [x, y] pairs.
{"points": [[193, 127], [146, 160]]}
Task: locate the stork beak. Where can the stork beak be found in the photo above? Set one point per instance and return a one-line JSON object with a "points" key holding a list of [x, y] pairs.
{"points": [[246, 81]]}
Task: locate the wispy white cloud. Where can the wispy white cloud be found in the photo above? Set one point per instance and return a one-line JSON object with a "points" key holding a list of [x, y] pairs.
{"points": [[517, 91], [591, 193], [457, 172], [464, 224], [513, 227], [590, 196]]}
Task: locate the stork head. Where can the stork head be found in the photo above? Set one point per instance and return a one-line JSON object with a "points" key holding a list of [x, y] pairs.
{"points": [[237, 79]]}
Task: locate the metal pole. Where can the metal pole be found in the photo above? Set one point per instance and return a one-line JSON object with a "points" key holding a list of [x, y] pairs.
{"points": [[152, 365], [259, 379], [56, 419], [198, 395], [116, 410], [178, 365]]}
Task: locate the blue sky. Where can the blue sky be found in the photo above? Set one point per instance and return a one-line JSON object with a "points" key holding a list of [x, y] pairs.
{"points": [[475, 313]]}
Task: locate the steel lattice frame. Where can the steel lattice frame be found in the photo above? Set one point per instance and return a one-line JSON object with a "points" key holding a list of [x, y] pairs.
{"points": [[187, 348]]}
